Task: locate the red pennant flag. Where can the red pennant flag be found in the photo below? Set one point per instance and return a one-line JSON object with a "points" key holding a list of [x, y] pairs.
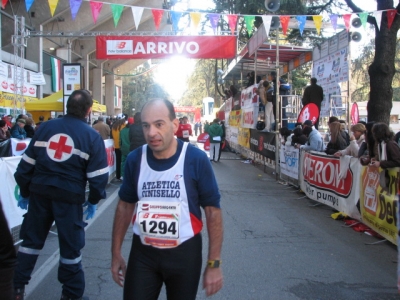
{"points": [[391, 14], [346, 19], [232, 20], [96, 8], [3, 3], [157, 16], [285, 23]]}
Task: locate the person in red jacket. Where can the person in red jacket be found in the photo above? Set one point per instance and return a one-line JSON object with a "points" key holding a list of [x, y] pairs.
{"points": [[184, 130]]}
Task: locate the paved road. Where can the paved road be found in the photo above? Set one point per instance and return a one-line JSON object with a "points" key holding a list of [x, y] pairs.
{"points": [[276, 246]]}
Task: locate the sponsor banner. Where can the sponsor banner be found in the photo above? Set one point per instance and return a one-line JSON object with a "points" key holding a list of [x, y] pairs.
{"points": [[151, 47], [249, 117], [289, 161], [320, 181], [10, 191], [231, 135], [355, 115], [234, 118], [8, 86], [249, 97], [263, 143], [308, 112], [71, 78], [228, 105], [379, 200], [244, 137], [19, 146], [7, 72], [7, 99], [109, 144]]}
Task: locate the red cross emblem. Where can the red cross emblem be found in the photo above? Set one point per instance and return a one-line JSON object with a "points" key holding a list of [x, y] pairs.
{"points": [[60, 147]]}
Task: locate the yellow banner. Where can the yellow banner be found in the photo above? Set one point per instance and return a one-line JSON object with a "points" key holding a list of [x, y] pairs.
{"points": [[234, 118], [379, 200], [244, 137], [7, 100]]}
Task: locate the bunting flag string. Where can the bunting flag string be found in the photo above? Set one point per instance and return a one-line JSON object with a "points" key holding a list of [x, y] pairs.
{"points": [[74, 5], [117, 9]]}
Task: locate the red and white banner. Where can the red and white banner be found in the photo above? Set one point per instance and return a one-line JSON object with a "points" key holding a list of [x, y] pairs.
{"points": [[249, 117], [8, 86], [308, 112], [146, 47], [19, 146], [249, 97], [355, 116]]}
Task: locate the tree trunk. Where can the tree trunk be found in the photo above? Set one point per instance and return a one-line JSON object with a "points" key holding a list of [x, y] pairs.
{"points": [[382, 69]]}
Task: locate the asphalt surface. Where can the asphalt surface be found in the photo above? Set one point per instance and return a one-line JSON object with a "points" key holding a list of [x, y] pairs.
{"points": [[277, 245]]}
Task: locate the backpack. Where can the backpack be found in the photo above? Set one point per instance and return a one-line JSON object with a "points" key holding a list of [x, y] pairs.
{"points": [[260, 125]]}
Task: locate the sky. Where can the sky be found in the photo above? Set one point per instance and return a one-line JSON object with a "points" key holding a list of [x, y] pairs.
{"points": [[173, 73]]}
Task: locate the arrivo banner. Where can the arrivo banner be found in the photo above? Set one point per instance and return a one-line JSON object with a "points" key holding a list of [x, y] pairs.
{"points": [[146, 47]]}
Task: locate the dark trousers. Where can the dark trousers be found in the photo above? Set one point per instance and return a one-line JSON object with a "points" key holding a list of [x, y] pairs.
{"points": [[148, 268], [118, 158], [35, 227]]}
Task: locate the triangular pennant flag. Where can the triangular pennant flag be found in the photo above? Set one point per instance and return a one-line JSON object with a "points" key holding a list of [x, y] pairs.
{"points": [[116, 12], [333, 21], [157, 16], [96, 8], [302, 23], [74, 5], [378, 18], [285, 23], [195, 20], [3, 3], [391, 14], [267, 23], [53, 6], [346, 18], [214, 19], [175, 17], [318, 23], [28, 4], [249, 20], [363, 17], [137, 13], [232, 21]]}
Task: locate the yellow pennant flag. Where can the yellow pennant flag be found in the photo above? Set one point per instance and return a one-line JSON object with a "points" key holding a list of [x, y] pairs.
{"points": [[53, 5], [318, 23], [195, 18]]}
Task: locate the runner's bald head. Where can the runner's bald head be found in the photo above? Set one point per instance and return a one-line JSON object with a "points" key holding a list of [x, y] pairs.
{"points": [[167, 103], [79, 103]]}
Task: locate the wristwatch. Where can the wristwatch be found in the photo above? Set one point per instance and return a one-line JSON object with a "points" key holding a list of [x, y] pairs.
{"points": [[214, 263]]}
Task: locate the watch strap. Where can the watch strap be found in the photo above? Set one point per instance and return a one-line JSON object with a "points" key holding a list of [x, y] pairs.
{"points": [[214, 263]]}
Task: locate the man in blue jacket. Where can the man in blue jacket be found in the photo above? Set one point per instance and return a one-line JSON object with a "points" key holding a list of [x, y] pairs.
{"points": [[63, 155]]}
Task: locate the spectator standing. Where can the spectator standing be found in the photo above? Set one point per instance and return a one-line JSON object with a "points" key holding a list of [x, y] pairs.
{"points": [[222, 124], [102, 128], [356, 139], [388, 151], [4, 132], [29, 127], [170, 258], [315, 141], [367, 149], [116, 130], [215, 135], [269, 113], [18, 131], [206, 126], [184, 130], [196, 128], [125, 144], [200, 127], [136, 136], [52, 183], [313, 94], [283, 103], [41, 120], [337, 142]]}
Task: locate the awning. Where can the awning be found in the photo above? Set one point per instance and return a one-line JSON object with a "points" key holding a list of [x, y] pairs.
{"points": [[54, 102], [290, 57]]}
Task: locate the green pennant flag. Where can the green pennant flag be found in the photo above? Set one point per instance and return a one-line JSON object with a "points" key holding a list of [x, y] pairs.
{"points": [[249, 23], [363, 17], [116, 11]]}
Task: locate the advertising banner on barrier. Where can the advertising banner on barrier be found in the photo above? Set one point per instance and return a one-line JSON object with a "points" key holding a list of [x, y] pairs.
{"points": [[19, 146], [289, 161], [9, 191], [232, 134], [244, 137], [249, 97], [151, 47], [234, 118], [263, 143], [109, 144], [379, 200], [249, 117], [321, 181]]}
